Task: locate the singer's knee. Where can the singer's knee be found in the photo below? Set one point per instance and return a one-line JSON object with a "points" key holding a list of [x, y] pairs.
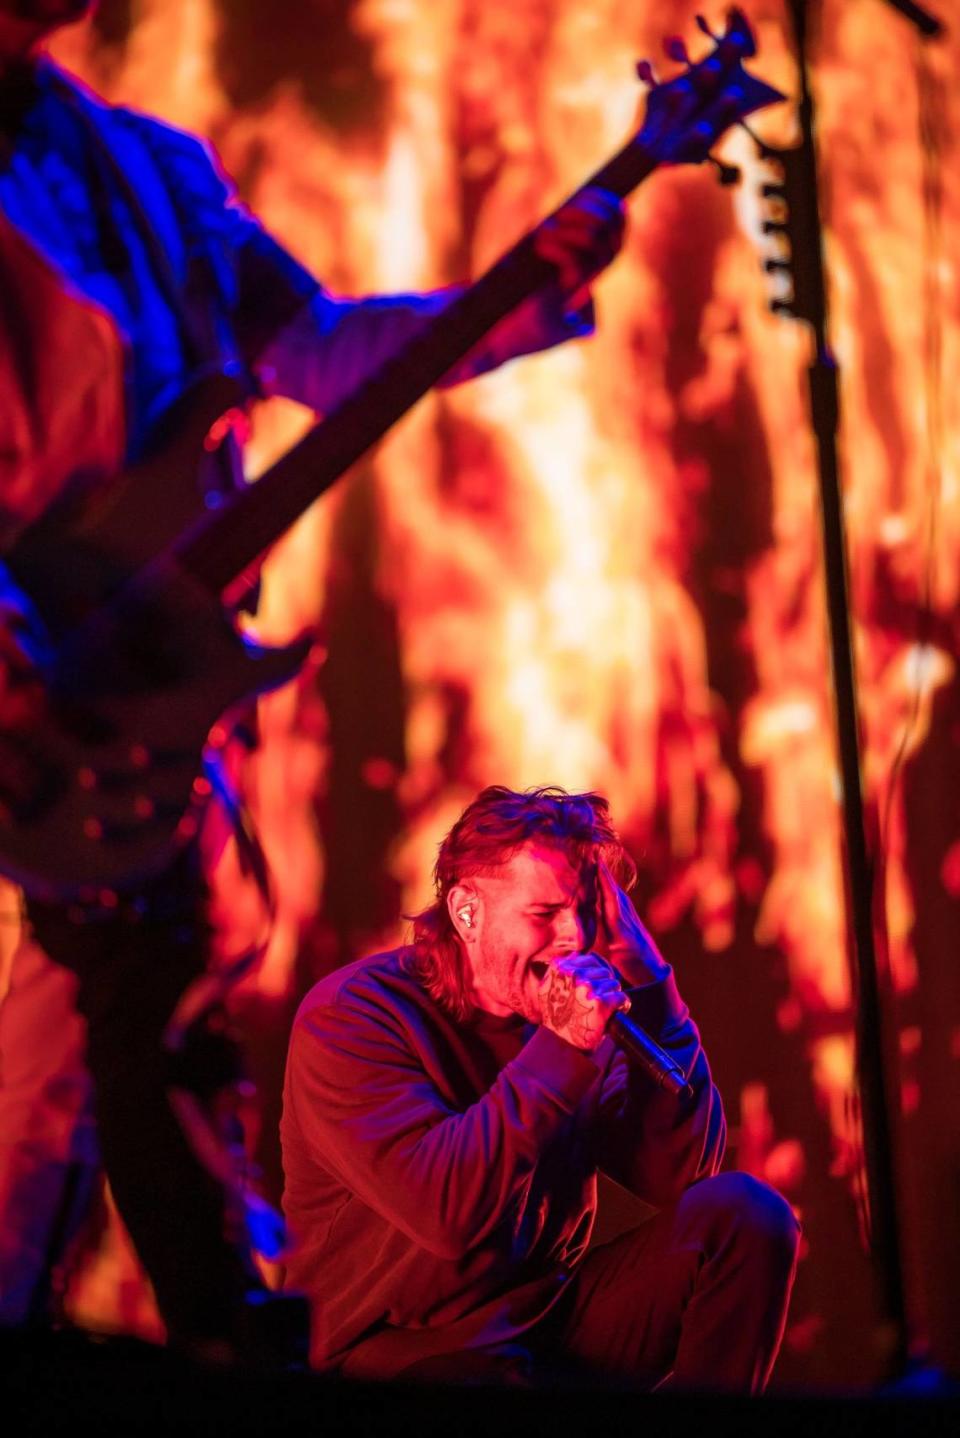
{"points": [[737, 1210]]}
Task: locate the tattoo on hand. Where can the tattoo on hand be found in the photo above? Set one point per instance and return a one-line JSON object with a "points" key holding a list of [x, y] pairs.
{"points": [[565, 1012], [561, 1000]]}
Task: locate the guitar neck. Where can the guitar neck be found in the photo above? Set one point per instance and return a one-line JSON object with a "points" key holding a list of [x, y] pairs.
{"points": [[227, 541]]}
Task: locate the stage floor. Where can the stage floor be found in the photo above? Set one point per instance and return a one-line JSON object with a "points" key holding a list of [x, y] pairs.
{"points": [[66, 1382]]}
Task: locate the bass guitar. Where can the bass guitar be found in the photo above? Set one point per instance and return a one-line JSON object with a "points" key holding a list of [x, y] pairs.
{"points": [[145, 662]]}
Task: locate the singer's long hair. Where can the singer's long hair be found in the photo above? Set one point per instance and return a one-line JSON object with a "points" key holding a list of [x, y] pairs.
{"points": [[488, 833]]}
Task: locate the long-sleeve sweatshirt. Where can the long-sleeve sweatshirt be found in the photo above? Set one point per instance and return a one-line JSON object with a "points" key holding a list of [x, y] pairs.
{"points": [[441, 1175]]}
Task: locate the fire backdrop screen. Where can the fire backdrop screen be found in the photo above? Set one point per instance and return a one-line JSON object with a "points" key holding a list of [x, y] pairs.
{"points": [[601, 567]]}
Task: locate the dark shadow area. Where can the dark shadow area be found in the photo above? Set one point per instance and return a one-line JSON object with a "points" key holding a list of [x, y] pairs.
{"points": [[931, 1130], [318, 47], [361, 686], [118, 1386], [113, 22]]}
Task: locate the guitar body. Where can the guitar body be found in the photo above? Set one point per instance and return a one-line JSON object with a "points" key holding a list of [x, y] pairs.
{"points": [[144, 663]]}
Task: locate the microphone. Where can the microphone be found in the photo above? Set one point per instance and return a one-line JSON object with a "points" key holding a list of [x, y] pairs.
{"points": [[640, 1047]]}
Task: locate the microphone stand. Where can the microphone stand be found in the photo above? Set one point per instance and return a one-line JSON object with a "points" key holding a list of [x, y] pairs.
{"points": [[928, 25], [800, 189]]}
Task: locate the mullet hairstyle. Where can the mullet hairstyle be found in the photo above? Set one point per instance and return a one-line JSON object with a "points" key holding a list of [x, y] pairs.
{"points": [[485, 837]]}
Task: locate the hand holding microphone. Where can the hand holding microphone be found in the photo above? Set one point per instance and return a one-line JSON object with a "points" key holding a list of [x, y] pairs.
{"points": [[582, 997], [582, 1001]]}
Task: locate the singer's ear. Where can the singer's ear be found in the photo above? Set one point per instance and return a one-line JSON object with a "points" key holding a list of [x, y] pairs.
{"points": [[464, 908]]}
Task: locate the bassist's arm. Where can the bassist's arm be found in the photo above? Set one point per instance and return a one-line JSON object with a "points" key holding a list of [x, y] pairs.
{"points": [[308, 345], [331, 345]]}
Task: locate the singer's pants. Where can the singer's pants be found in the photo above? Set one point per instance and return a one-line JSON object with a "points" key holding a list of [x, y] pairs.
{"points": [[699, 1292]]}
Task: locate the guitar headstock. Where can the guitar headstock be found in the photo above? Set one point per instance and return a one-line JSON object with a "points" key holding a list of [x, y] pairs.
{"points": [[686, 115]]}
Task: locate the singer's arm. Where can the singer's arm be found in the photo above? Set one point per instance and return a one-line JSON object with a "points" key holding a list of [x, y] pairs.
{"points": [[361, 1107], [654, 1143]]}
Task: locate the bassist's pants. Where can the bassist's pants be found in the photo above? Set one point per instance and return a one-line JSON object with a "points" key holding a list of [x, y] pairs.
{"points": [[132, 968]]}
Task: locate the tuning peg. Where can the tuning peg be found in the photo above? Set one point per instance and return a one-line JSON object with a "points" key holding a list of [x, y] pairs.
{"points": [[777, 267], [675, 49], [646, 73], [704, 27], [763, 149], [726, 174], [783, 307], [774, 227]]}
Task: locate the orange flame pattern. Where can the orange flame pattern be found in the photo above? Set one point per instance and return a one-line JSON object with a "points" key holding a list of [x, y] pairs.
{"points": [[601, 567]]}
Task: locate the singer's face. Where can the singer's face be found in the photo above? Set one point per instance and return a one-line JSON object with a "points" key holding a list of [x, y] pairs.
{"points": [[536, 908]]}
